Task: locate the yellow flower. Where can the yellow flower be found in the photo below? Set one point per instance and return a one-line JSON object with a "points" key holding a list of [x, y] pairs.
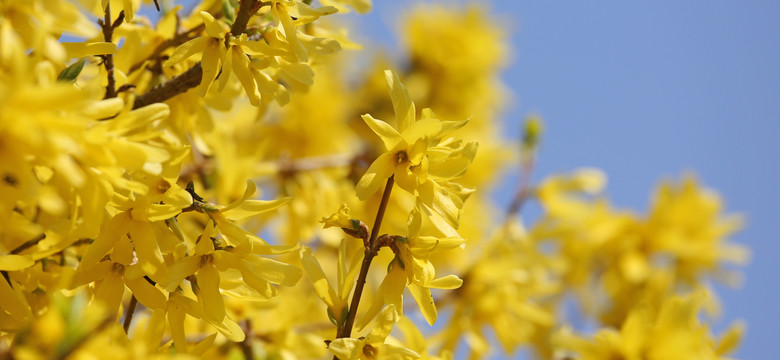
{"points": [[336, 299], [373, 346], [406, 146], [339, 219], [412, 269], [212, 46], [671, 332]]}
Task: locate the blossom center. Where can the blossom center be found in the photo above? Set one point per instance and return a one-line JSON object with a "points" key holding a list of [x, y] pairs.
{"points": [[401, 157], [369, 351]]}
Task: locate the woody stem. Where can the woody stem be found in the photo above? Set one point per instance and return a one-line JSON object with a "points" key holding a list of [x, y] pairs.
{"points": [[370, 252]]}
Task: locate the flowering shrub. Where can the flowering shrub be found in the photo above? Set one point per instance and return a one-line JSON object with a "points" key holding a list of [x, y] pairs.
{"points": [[213, 186]]}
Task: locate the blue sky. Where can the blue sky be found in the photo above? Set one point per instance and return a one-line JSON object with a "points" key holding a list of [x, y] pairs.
{"points": [[647, 91]]}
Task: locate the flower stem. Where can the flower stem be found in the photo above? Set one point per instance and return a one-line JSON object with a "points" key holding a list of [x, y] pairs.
{"points": [[370, 252], [129, 314]]}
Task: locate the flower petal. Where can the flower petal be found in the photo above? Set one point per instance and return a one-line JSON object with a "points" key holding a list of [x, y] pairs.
{"points": [[383, 325], [318, 279], [446, 282], [379, 171], [208, 281], [402, 103], [422, 295], [390, 136], [186, 50]]}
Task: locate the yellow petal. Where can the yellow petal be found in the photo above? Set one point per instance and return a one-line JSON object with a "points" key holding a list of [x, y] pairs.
{"points": [[421, 129], [402, 103], [383, 325], [389, 351], [446, 282], [346, 348], [254, 207], [176, 321], [276, 272], [405, 178], [109, 235], [318, 279], [149, 256], [248, 192], [422, 295], [730, 340], [186, 50], [438, 199], [290, 33], [15, 262], [214, 28], [244, 74], [180, 270], [110, 293], [13, 302], [210, 64], [147, 294], [377, 174], [390, 137], [80, 49], [208, 281]]}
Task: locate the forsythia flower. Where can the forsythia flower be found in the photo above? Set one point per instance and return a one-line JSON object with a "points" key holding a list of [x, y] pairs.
{"points": [[671, 332], [212, 46], [373, 346], [406, 146], [412, 269]]}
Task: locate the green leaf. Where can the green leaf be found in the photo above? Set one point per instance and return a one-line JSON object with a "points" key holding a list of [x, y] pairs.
{"points": [[71, 72], [332, 317], [229, 10]]}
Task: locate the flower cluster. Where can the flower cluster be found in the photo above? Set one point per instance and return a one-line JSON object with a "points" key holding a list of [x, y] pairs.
{"points": [[167, 174]]}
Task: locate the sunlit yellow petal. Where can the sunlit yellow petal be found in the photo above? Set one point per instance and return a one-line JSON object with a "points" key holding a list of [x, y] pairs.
{"points": [[208, 281], [422, 295], [402, 103], [390, 137], [377, 174]]}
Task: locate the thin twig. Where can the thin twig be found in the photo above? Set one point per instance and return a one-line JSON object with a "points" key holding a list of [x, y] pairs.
{"points": [[246, 345], [108, 60], [522, 190], [129, 314], [28, 244], [370, 252]]}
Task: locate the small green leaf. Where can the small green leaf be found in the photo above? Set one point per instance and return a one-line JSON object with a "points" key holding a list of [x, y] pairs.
{"points": [[332, 317], [71, 72], [229, 10]]}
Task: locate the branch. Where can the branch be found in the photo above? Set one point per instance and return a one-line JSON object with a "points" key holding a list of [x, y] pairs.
{"points": [[129, 314], [191, 78], [370, 252], [108, 60]]}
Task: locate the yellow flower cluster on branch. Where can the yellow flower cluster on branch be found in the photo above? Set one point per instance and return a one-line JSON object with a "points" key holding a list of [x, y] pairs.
{"points": [[168, 188]]}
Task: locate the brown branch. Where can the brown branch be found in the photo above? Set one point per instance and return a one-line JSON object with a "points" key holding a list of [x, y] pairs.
{"points": [[370, 252], [246, 345], [191, 78], [129, 314], [179, 84], [522, 190], [108, 60], [28, 244]]}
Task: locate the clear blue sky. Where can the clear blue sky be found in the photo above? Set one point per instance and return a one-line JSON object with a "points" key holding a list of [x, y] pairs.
{"points": [[650, 90]]}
